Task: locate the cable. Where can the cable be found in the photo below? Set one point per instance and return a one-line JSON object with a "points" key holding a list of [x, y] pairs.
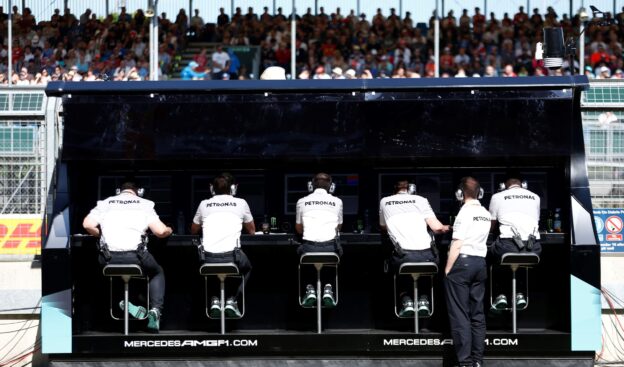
{"points": [[17, 339], [19, 358], [18, 330], [23, 308], [618, 338]]}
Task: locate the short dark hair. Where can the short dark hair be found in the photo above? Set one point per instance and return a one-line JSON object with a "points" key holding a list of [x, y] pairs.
{"points": [[512, 181], [222, 184], [322, 181], [470, 187], [130, 185], [401, 184]]}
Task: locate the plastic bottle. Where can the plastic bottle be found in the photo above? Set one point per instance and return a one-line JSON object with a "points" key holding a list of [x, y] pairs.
{"points": [[557, 221], [266, 226]]}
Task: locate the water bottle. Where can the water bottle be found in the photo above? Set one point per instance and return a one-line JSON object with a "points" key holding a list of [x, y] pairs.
{"points": [[557, 221]]}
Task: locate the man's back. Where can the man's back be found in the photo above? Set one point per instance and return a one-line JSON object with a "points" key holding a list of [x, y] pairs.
{"points": [[221, 218], [123, 219], [516, 208], [405, 217], [321, 214]]}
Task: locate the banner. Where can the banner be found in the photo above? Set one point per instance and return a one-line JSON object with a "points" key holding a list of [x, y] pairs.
{"points": [[20, 235], [609, 226]]}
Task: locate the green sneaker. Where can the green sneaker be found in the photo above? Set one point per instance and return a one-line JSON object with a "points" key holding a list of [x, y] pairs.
{"points": [[215, 308], [231, 308], [310, 298], [500, 303], [328, 296], [138, 312], [153, 321], [407, 307]]}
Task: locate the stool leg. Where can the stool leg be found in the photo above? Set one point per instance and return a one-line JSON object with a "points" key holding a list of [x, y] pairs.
{"points": [[513, 301], [222, 284], [415, 303], [319, 295], [126, 317]]}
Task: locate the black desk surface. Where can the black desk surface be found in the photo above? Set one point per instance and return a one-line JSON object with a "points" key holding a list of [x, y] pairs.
{"points": [[285, 239]]}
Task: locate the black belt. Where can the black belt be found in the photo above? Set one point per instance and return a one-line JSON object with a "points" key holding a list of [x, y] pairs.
{"points": [[466, 256], [124, 252], [325, 243], [219, 254], [423, 250]]}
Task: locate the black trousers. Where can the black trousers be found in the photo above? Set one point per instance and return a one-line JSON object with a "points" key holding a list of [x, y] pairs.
{"points": [[237, 257], [505, 245], [154, 271], [405, 284], [465, 290], [308, 273]]}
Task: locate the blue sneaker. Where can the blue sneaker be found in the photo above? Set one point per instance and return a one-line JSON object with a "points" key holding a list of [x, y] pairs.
{"points": [[310, 298], [138, 312]]}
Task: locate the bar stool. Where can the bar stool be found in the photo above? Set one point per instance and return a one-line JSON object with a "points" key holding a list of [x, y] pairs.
{"points": [[416, 270], [125, 272], [516, 260], [319, 260], [221, 271]]}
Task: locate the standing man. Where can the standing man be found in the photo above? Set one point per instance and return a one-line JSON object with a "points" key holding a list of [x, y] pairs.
{"points": [[466, 274], [120, 221], [405, 216], [221, 219], [318, 219], [516, 212]]}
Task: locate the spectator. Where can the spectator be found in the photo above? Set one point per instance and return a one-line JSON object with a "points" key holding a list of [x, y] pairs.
{"points": [[220, 62], [201, 59], [235, 65], [197, 23]]}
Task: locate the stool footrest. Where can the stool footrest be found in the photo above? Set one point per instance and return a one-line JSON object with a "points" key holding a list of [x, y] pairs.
{"points": [[330, 258], [117, 270], [219, 268]]}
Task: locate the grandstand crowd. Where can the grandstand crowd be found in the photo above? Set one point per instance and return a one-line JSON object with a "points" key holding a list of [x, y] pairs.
{"points": [[87, 47]]}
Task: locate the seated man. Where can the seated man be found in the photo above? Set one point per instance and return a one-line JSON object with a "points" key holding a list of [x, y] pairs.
{"points": [[318, 219], [405, 216], [221, 219], [516, 211], [123, 220]]}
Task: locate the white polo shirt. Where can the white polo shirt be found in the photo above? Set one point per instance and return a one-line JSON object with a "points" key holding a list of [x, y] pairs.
{"points": [[321, 214], [516, 207], [472, 226], [222, 218], [405, 217], [123, 219]]}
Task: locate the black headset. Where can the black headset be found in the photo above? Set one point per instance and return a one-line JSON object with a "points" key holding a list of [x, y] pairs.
{"points": [[332, 186], [230, 179], [139, 191], [523, 184], [233, 188], [411, 188], [459, 194]]}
